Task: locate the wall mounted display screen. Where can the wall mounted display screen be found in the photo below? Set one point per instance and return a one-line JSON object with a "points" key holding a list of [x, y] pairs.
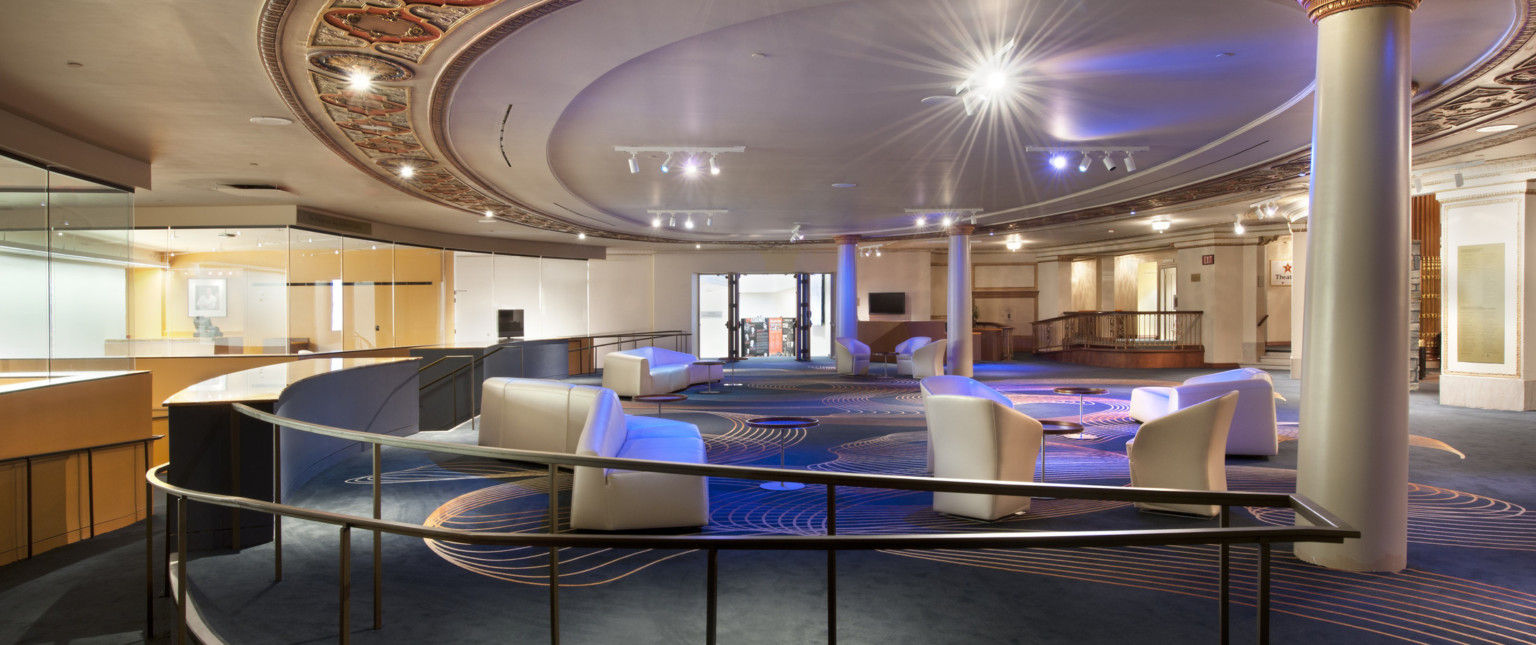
{"points": [[888, 303], [509, 323]]}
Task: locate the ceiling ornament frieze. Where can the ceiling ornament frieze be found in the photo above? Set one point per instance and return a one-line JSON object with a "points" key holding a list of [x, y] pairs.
{"points": [[392, 41]]}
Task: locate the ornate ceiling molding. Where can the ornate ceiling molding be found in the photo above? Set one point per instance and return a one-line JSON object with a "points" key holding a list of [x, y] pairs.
{"points": [[396, 41]]}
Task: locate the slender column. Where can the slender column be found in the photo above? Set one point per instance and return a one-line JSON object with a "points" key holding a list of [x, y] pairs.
{"points": [[1353, 451], [845, 316], [1298, 292], [959, 311]]}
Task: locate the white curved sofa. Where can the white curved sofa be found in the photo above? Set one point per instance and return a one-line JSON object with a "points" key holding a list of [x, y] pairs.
{"points": [[553, 416], [1183, 450], [1254, 431], [904, 353], [928, 360], [974, 433], [653, 370], [852, 356]]}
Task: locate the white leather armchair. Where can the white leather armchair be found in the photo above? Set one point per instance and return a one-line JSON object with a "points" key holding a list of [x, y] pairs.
{"points": [[976, 434], [1183, 450], [852, 356], [904, 353], [928, 360], [1253, 432], [653, 370], [607, 499]]}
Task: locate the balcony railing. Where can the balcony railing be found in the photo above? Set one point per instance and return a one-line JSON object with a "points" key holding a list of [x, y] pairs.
{"points": [[1119, 330]]}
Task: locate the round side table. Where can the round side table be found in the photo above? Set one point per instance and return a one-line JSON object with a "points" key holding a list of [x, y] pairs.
{"points": [[780, 424], [709, 383], [732, 361], [1080, 392], [1052, 426], [885, 362], [659, 399]]}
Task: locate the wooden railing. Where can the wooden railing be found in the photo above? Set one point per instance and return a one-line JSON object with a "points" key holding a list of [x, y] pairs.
{"points": [[1119, 330]]}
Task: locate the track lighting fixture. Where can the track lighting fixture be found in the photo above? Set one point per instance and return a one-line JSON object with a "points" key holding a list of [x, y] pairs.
{"points": [[947, 216], [922, 221], [873, 249], [1237, 226], [656, 222], [1059, 159], [1461, 180], [794, 233], [877, 251], [944, 223], [688, 223], [691, 157], [672, 221], [1418, 184]]}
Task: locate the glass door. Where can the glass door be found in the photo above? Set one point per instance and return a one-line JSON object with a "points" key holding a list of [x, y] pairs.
{"points": [[783, 314]]}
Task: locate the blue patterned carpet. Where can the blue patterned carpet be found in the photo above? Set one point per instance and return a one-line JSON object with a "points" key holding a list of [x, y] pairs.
{"points": [[1469, 580]]}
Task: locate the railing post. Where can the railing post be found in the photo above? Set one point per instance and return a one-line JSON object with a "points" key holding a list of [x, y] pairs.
{"points": [[181, 570], [346, 583], [1226, 580], [149, 551], [29, 508], [234, 477], [554, 595], [1263, 592], [554, 501], [378, 539], [277, 498], [832, 566], [711, 604]]}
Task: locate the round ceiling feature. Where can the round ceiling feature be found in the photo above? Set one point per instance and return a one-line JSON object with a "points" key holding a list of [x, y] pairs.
{"points": [[1502, 127], [271, 120], [845, 185]]}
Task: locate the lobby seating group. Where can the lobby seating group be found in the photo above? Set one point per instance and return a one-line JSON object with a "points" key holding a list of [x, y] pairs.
{"points": [[553, 416], [928, 360], [904, 351], [1254, 430], [852, 356], [975, 433], [653, 370]]}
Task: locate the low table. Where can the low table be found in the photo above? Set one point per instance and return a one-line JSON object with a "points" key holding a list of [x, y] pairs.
{"points": [[1052, 426], [885, 371], [782, 423], [1080, 392], [709, 384], [732, 361], [659, 399]]}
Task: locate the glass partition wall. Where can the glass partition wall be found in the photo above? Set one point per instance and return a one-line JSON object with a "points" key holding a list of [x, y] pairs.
{"points": [[65, 255]]}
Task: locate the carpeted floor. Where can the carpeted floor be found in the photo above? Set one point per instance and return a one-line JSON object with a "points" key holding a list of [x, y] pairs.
{"points": [[1469, 579]]}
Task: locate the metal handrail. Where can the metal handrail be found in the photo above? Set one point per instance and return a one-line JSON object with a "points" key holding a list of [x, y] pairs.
{"points": [[646, 335], [1325, 527]]}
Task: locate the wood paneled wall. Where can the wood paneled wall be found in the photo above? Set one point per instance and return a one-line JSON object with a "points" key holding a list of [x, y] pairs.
{"points": [[1425, 228]]}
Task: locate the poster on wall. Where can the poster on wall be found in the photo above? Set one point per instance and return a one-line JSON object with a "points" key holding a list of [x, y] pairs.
{"points": [[207, 297], [1480, 303], [1280, 273]]}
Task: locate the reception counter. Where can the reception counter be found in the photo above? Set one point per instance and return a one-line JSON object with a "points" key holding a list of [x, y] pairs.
{"points": [[215, 449]]}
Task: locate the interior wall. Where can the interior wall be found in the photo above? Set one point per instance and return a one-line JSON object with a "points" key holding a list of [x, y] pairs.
{"points": [[1085, 285], [1278, 298], [897, 271]]}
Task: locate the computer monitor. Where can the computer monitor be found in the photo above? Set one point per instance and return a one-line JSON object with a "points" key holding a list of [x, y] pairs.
{"points": [[509, 323]]}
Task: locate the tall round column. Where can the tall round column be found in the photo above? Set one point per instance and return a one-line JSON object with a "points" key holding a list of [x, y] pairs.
{"points": [[1353, 457], [845, 315], [958, 314]]}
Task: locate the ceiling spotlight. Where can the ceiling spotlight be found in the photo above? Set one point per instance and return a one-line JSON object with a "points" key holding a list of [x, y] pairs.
{"points": [[944, 223], [1059, 161], [656, 222], [922, 221], [714, 167], [581, 236], [407, 171], [1083, 165], [672, 221], [1460, 179], [794, 233], [698, 246], [866, 253], [666, 166], [1109, 163], [634, 164], [973, 219], [359, 81], [709, 220], [1418, 184], [877, 252], [688, 223], [489, 214], [690, 167], [1130, 162], [1237, 226]]}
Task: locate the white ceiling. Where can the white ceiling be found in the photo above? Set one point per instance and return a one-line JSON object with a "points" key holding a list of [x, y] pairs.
{"points": [[835, 99]]}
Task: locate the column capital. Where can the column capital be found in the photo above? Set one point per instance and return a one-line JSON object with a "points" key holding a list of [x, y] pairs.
{"points": [[846, 239], [961, 229], [1320, 9]]}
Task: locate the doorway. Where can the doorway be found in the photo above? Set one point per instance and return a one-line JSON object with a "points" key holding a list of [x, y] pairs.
{"points": [[765, 314]]}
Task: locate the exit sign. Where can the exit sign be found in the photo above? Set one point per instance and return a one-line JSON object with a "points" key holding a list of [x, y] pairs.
{"points": [[1208, 259]]}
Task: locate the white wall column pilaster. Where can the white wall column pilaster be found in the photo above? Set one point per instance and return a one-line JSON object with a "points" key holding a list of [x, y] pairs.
{"points": [[1298, 292], [845, 315], [958, 314], [1353, 450]]}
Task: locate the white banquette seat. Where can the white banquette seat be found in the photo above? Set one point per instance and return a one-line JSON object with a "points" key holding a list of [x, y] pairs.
{"points": [[904, 353], [975, 433], [653, 370], [552, 416], [852, 356], [1254, 431]]}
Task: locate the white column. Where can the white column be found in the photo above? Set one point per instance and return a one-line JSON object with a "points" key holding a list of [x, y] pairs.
{"points": [[958, 314], [845, 315], [1298, 292], [1353, 451]]}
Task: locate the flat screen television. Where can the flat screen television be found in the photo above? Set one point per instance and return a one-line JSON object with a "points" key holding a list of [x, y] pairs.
{"points": [[509, 323], [888, 303]]}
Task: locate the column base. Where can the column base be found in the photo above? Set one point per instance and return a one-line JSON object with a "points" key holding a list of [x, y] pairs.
{"points": [[1487, 392]]}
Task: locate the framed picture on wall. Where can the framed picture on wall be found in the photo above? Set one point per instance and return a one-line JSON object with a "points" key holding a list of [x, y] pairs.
{"points": [[207, 297]]}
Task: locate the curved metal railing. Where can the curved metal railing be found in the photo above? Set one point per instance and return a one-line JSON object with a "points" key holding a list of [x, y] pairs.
{"points": [[1325, 527]]}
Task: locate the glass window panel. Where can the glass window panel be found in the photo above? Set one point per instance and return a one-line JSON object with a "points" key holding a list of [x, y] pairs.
{"points": [[714, 300], [563, 298], [368, 305], [314, 270], [474, 298], [225, 292], [24, 265], [90, 250], [419, 296], [517, 287]]}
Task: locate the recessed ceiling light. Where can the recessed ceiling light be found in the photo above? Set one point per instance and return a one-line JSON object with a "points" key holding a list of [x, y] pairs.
{"points": [[759, 55], [1502, 127], [74, 64], [844, 185], [1111, 230], [271, 120]]}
